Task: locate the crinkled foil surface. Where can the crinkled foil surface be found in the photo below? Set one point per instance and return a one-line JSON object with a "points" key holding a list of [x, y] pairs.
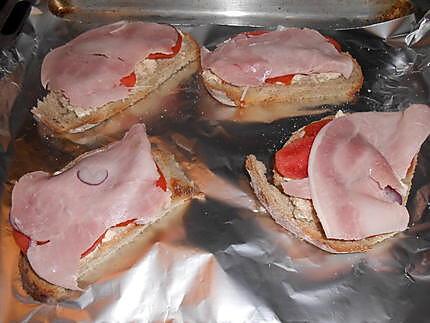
{"points": [[223, 259]]}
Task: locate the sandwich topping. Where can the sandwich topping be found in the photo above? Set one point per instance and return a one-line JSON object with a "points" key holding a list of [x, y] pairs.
{"points": [[72, 210], [276, 57], [353, 168], [98, 66]]}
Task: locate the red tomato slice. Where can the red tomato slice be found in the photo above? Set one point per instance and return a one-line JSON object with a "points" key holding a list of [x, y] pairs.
{"points": [[285, 79], [255, 33], [312, 129], [99, 240], [334, 43], [292, 160], [21, 240], [129, 80], [175, 50], [93, 246], [125, 223], [161, 182]]}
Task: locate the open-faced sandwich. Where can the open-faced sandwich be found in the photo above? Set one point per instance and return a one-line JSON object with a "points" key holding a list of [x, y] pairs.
{"points": [[105, 70], [341, 183], [71, 222], [285, 65]]}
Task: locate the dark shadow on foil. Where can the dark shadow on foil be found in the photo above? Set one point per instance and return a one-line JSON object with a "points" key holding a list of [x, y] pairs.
{"points": [[257, 262], [279, 276]]}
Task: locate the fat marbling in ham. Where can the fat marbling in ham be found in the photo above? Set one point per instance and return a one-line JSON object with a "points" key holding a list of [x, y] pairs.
{"points": [[356, 166], [247, 60], [88, 69], [74, 208]]}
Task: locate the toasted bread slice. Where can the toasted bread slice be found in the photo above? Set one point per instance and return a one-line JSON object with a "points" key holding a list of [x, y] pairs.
{"points": [[56, 112], [309, 90], [108, 252], [165, 102], [298, 215]]}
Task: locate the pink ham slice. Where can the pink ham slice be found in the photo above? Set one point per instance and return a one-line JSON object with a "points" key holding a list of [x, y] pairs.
{"points": [[297, 188], [397, 135], [73, 210], [356, 162], [88, 69], [403, 132], [250, 60]]}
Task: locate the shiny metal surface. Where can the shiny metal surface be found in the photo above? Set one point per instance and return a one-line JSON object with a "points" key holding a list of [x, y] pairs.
{"points": [[421, 36], [223, 259], [339, 13]]}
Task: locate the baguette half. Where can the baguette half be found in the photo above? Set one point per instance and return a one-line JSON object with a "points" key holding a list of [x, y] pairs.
{"points": [[108, 252], [298, 215], [56, 113], [309, 90]]}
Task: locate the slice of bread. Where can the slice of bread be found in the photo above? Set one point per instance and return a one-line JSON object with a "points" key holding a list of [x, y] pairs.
{"points": [[298, 215], [309, 90], [159, 107], [56, 112], [109, 252]]}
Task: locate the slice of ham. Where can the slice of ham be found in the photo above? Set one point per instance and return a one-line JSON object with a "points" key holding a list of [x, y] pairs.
{"points": [[73, 210], [88, 69], [397, 135], [354, 161], [249, 61], [297, 188], [402, 131]]}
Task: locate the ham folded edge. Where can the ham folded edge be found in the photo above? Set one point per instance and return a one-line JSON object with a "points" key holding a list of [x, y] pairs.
{"points": [[356, 167]]}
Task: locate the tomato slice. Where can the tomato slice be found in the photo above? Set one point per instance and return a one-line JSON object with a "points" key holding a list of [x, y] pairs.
{"points": [[175, 50], [21, 240], [161, 182], [125, 223], [129, 80], [334, 43], [93, 246], [285, 79], [292, 160], [255, 33], [312, 129], [100, 239]]}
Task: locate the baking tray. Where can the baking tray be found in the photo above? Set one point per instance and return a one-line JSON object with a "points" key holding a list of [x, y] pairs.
{"points": [[338, 13], [223, 259]]}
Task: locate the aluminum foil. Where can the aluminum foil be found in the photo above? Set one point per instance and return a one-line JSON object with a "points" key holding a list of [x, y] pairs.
{"points": [[223, 259]]}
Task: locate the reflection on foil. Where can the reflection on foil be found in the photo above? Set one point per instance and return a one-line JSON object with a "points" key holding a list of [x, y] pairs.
{"points": [[220, 189], [420, 36], [14, 59], [8, 91], [389, 28]]}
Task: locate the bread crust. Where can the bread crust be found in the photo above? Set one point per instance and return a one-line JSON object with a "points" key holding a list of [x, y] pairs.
{"points": [[299, 216], [54, 110], [334, 91], [146, 111], [182, 190]]}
